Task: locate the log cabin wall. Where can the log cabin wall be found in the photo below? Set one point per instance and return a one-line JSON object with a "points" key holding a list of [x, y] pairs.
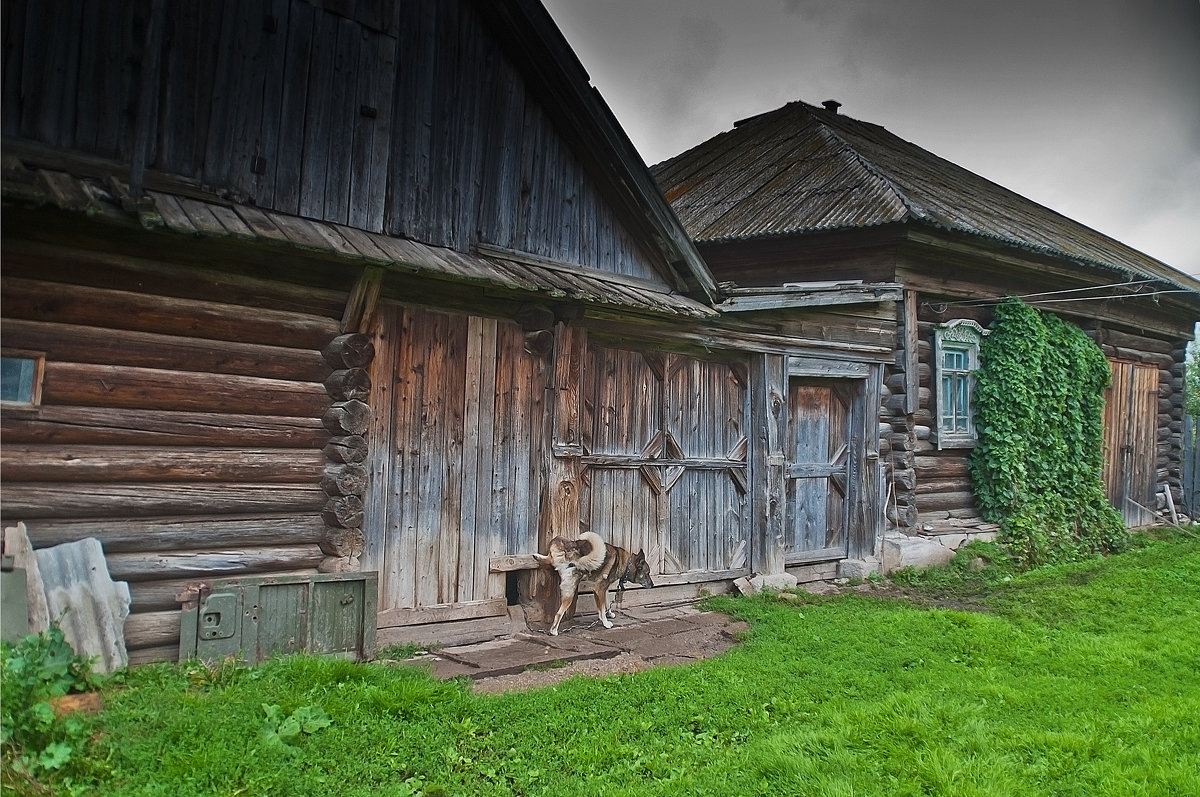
{"points": [[185, 422], [931, 487], [406, 117]]}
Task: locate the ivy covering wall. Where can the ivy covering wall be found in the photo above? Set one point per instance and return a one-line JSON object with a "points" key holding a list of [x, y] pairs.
{"points": [[1037, 466]]}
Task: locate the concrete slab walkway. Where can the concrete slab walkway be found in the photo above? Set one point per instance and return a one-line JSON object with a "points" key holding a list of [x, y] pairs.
{"points": [[641, 637]]}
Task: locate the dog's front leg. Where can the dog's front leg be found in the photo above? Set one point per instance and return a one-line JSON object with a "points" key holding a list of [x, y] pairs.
{"points": [[601, 593]]}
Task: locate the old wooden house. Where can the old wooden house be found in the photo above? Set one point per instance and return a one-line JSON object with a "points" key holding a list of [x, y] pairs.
{"points": [[803, 194], [296, 287]]}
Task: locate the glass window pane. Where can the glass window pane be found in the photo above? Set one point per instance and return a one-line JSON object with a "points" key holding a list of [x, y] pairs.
{"points": [[16, 379]]}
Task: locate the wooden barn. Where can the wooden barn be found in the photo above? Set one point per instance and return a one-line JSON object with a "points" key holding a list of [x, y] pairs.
{"points": [[804, 194], [299, 288]]}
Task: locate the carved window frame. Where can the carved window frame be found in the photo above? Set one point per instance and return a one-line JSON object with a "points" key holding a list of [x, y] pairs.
{"points": [[954, 420]]}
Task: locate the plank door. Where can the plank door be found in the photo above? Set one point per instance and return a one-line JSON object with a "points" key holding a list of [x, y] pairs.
{"points": [[821, 470], [1130, 440], [458, 408], [664, 462]]}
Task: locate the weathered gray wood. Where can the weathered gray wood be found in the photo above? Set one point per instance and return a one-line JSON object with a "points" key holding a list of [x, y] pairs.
{"points": [[344, 511], [342, 542], [347, 418], [349, 350], [349, 384], [434, 613], [348, 449], [347, 479]]}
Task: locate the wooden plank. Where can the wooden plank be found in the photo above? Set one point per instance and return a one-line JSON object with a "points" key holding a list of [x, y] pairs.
{"points": [[489, 536], [409, 386], [384, 454], [473, 408], [121, 535], [53, 463], [108, 426], [257, 50], [172, 213], [29, 501], [393, 618], [231, 222], [322, 92], [151, 388], [294, 89], [261, 225], [372, 127], [341, 114], [511, 562], [264, 163], [99, 345], [365, 244]]}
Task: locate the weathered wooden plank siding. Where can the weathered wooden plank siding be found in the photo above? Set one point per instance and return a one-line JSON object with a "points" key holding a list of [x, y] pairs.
{"points": [[426, 129], [464, 404], [690, 513], [181, 420]]}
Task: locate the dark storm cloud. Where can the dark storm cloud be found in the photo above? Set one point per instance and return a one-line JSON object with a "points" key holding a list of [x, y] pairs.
{"points": [[1087, 107]]}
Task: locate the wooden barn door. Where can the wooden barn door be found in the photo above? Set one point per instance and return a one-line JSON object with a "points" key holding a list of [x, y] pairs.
{"points": [[664, 460], [823, 460], [458, 407], [1130, 438]]}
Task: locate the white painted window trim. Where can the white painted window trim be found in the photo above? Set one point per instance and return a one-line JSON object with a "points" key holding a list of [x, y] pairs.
{"points": [[961, 334]]}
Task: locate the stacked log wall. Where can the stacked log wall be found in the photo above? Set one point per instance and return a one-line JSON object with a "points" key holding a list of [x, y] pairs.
{"points": [[181, 424]]}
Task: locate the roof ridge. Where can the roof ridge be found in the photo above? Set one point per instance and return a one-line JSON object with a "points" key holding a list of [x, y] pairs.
{"points": [[829, 132]]}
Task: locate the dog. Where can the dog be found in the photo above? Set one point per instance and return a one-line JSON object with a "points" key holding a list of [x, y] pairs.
{"points": [[590, 557]]}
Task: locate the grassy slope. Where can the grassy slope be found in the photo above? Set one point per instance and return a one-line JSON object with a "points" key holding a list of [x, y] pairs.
{"points": [[1080, 680]]}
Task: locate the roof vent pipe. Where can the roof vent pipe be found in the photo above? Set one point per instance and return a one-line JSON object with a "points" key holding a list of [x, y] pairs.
{"points": [[832, 105]]}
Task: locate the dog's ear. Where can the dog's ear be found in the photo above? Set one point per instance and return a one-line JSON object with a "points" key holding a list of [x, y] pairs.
{"points": [[641, 555]]}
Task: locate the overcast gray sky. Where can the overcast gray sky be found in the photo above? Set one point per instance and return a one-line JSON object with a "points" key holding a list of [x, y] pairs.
{"points": [[1090, 107]]}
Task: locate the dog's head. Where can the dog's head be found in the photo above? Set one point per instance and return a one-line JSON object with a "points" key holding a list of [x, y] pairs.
{"points": [[640, 570]]}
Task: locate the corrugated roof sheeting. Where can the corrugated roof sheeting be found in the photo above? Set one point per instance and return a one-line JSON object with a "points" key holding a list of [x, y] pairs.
{"points": [[804, 169], [216, 219], [87, 604]]}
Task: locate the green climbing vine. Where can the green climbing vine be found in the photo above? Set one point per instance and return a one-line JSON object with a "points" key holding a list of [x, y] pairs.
{"points": [[1039, 408]]}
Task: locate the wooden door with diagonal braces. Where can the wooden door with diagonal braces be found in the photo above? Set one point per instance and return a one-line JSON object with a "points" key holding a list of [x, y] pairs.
{"points": [[665, 458]]}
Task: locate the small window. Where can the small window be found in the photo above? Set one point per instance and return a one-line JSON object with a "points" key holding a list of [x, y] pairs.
{"points": [[21, 378], [957, 351]]}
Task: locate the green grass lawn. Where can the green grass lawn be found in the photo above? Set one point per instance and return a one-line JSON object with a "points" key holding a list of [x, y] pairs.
{"points": [[1076, 680]]}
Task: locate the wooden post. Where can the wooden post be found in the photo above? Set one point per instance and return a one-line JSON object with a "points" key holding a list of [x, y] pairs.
{"points": [[769, 413], [562, 464]]}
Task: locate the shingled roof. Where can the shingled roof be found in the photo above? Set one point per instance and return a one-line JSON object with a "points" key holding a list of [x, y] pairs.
{"points": [[803, 169]]}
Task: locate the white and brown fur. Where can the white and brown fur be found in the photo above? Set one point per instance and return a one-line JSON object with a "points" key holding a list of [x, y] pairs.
{"points": [[604, 563]]}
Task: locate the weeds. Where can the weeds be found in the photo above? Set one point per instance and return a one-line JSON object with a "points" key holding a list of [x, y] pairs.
{"points": [[43, 747]]}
